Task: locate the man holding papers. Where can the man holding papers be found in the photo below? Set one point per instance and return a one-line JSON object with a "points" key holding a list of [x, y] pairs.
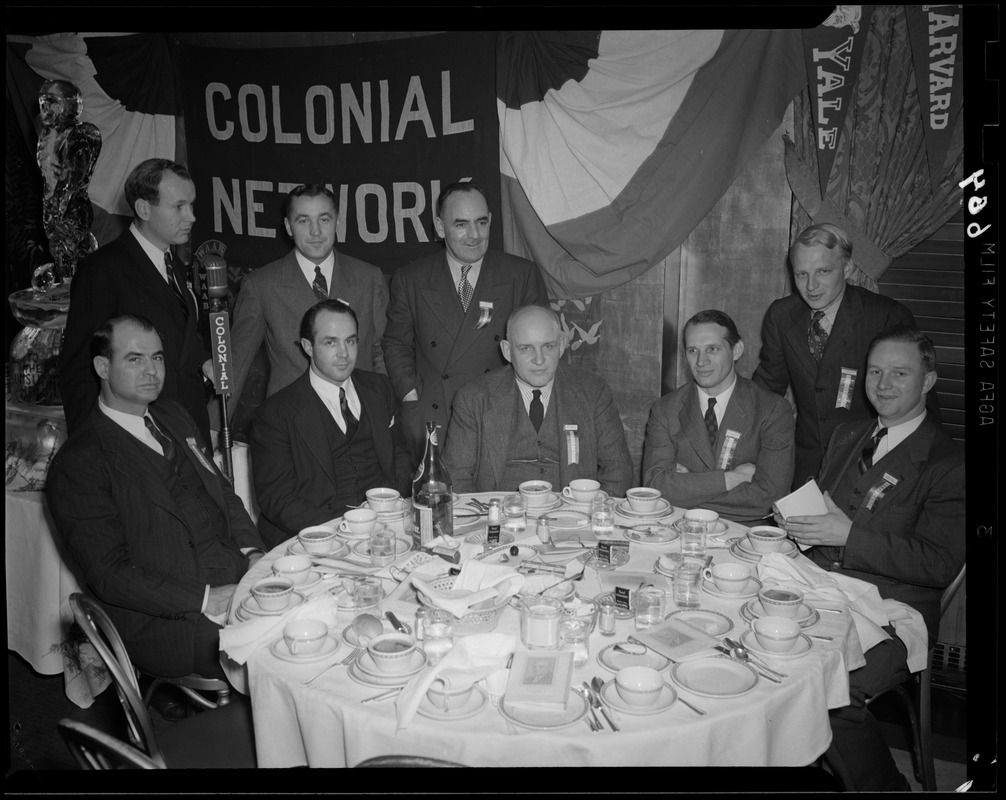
{"points": [[894, 489]]}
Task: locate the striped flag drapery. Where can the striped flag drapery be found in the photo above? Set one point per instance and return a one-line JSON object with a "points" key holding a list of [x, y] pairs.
{"points": [[615, 144]]}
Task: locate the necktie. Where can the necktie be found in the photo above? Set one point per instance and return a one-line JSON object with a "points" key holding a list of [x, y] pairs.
{"points": [[537, 410], [172, 280], [711, 424], [347, 415], [320, 285], [817, 338], [465, 290], [866, 459], [164, 441]]}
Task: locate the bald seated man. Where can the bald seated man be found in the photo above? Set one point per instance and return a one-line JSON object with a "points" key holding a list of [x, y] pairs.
{"points": [[536, 419]]}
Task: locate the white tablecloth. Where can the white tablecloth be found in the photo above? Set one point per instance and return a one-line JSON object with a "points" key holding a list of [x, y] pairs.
{"points": [[325, 725]]}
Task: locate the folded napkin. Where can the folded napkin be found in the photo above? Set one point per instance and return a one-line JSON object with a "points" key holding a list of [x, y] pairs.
{"points": [[476, 582], [242, 639], [471, 659]]}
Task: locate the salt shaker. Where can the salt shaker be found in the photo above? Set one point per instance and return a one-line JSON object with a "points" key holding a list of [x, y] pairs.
{"points": [[494, 522], [544, 531], [606, 616]]}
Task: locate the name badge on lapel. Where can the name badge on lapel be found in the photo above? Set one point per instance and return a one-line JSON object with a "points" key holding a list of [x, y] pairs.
{"points": [[572, 444], [845, 386], [728, 449], [191, 442], [879, 490], [485, 314]]}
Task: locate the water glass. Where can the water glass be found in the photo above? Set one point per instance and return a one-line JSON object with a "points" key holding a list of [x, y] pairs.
{"points": [[687, 584], [382, 548], [650, 607], [574, 635], [514, 513], [693, 538], [366, 596], [606, 615], [602, 514], [438, 634]]}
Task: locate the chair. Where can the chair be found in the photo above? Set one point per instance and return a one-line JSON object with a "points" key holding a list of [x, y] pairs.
{"points": [[218, 738], [406, 761], [94, 749], [190, 686]]}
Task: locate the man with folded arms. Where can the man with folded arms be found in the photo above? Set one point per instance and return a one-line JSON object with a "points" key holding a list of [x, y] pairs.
{"points": [[536, 419], [157, 531], [894, 488], [720, 441], [320, 443]]}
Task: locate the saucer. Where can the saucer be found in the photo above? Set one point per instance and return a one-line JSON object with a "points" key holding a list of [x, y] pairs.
{"points": [[789, 547], [554, 502], [366, 665], [281, 650], [714, 677], [751, 590], [349, 636], [726, 538], [801, 648], [620, 556], [356, 537], [752, 557], [375, 681], [544, 719], [250, 606], [712, 622], [567, 520], [313, 579], [614, 660], [475, 703], [362, 549], [662, 510], [718, 529], [806, 615], [651, 534], [576, 505], [611, 697], [296, 548], [481, 537], [387, 516]]}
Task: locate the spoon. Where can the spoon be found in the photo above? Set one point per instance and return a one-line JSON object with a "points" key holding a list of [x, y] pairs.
{"points": [[596, 685], [367, 626], [740, 652]]}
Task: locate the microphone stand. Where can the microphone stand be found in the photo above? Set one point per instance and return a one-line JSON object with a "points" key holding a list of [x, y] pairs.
{"points": [[220, 334]]}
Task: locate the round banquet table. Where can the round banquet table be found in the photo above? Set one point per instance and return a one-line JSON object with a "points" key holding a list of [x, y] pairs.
{"points": [[324, 724]]}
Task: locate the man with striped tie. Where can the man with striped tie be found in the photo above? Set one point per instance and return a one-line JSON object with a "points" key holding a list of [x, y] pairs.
{"points": [[894, 488]]}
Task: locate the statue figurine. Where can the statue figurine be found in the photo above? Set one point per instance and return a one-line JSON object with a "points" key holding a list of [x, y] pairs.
{"points": [[67, 152]]}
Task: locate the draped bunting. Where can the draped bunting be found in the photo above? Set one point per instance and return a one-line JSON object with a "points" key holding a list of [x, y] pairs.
{"points": [[614, 145]]}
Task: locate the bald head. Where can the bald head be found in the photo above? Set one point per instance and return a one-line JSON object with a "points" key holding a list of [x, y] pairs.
{"points": [[534, 342]]}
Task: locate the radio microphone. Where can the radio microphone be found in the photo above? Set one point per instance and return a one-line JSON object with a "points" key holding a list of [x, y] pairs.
{"points": [[216, 276]]}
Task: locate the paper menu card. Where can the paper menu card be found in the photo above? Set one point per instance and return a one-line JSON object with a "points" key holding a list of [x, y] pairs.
{"points": [[675, 639], [540, 679], [807, 501]]}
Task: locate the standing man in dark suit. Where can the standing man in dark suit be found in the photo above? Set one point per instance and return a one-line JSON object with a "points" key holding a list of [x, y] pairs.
{"points": [[448, 312], [719, 441], [816, 342], [321, 442], [159, 535], [273, 299], [894, 488], [136, 274]]}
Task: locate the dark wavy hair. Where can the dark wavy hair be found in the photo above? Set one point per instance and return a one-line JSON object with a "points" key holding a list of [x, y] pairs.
{"points": [[455, 188], [144, 182], [717, 317], [338, 306], [308, 190], [909, 335], [101, 339]]}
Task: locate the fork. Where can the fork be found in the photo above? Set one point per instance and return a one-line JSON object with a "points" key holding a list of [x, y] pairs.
{"points": [[593, 721]]}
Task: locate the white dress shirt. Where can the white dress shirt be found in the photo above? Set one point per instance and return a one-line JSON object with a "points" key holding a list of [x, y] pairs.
{"points": [[455, 267], [307, 267], [895, 435], [722, 400], [329, 393], [527, 390]]}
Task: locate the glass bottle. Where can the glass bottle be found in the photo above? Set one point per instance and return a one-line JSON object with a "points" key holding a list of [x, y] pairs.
{"points": [[432, 495]]}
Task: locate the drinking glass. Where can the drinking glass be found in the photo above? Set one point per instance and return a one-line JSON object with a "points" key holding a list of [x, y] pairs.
{"points": [[438, 634], [514, 513], [382, 548], [574, 636], [366, 596], [687, 580], [693, 538], [602, 514], [650, 607]]}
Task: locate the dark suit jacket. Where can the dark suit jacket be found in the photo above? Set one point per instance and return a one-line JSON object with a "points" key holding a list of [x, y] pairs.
{"points": [[911, 544], [273, 300], [120, 279], [291, 465], [676, 434], [431, 345], [478, 437], [124, 530], [785, 361]]}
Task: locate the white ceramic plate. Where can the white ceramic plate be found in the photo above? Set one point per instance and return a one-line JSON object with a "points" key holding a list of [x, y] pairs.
{"points": [[251, 607], [567, 520], [714, 677], [719, 528], [281, 650], [611, 697], [727, 538], [368, 669], [481, 537], [712, 622], [662, 509], [362, 549], [806, 614], [541, 720], [384, 516], [801, 648], [614, 660], [751, 590], [553, 502], [619, 555], [349, 636], [339, 549], [753, 558], [475, 703], [651, 534], [357, 537], [744, 545], [576, 505]]}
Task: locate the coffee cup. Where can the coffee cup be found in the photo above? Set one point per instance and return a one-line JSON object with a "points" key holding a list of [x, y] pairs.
{"points": [[710, 518], [273, 594], [358, 521], [766, 538], [447, 698], [392, 652], [305, 636], [643, 499], [638, 686], [296, 568], [776, 634], [582, 490], [383, 499], [318, 540], [780, 601], [535, 493], [729, 577]]}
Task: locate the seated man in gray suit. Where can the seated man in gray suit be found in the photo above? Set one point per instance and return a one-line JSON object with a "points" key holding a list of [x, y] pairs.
{"points": [[535, 419], [273, 299], [321, 442], [719, 441]]}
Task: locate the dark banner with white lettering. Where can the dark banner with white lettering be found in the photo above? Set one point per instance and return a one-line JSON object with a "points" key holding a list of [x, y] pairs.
{"points": [[386, 125]]}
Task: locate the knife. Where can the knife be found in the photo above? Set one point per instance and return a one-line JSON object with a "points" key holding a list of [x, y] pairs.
{"points": [[395, 621]]}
